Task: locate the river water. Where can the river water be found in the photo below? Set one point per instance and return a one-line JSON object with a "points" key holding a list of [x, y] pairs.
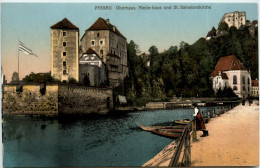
{"points": [[109, 140]]}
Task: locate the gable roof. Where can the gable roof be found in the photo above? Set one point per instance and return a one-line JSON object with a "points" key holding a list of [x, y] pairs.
{"points": [[102, 24], [228, 63], [64, 24], [212, 32], [88, 52]]}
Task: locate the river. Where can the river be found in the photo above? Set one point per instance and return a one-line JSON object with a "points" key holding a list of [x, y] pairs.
{"points": [[108, 140]]}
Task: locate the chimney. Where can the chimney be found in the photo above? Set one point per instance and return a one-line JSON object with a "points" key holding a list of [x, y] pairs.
{"points": [[107, 21]]}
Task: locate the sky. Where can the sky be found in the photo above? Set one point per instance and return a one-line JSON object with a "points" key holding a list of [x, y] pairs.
{"points": [[31, 22]]}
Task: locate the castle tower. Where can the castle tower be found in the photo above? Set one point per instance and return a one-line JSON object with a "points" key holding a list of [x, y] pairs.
{"points": [[64, 51]]}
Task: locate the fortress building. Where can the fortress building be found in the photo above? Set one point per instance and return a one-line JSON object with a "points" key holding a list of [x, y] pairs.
{"points": [[64, 51], [102, 56], [236, 19], [110, 45]]}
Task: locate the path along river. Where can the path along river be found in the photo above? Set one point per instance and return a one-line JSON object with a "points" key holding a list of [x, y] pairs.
{"points": [[110, 140]]}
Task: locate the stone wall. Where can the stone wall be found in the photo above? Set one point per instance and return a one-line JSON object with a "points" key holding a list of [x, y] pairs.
{"points": [[57, 99], [84, 100], [30, 100]]}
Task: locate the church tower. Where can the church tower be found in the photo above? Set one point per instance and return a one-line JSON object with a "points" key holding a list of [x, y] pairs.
{"points": [[64, 51]]}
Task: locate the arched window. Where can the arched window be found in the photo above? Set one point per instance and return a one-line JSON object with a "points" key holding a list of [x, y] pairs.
{"points": [[234, 88], [234, 79], [243, 80]]}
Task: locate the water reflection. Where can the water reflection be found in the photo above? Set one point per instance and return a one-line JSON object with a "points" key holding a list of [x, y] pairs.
{"points": [[96, 140]]}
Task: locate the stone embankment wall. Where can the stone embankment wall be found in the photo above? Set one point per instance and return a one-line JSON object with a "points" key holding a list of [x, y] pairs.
{"points": [[84, 100], [55, 99], [29, 100]]}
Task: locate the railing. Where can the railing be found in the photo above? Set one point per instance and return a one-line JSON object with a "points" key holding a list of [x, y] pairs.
{"points": [[182, 153]]}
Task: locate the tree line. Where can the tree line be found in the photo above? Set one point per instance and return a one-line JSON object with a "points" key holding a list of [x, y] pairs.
{"points": [[184, 70]]}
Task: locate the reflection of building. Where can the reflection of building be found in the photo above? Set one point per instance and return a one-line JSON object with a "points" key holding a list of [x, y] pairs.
{"points": [[230, 72], [255, 88], [92, 67], [64, 50], [110, 45], [236, 19]]}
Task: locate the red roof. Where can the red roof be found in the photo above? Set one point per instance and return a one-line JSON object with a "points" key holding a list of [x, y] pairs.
{"points": [[255, 83], [102, 24], [64, 24], [228, 63]]}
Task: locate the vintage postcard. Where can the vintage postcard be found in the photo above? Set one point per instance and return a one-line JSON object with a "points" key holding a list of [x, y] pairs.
{"points": [[112, 84]]}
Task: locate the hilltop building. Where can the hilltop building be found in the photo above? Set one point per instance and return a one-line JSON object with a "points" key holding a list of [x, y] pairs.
{"points": [[255, 88], [236, 19], [64, 51], [110, 45], [230, 72], [211, 33]]}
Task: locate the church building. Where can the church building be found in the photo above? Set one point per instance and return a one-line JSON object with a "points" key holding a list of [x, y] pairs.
{"points": [[230, 72]]}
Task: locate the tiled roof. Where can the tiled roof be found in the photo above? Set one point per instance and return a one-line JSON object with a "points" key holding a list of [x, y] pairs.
{"points": [[102, 24], [255, 83], [91, 51], [64, 24], [228, 63]]}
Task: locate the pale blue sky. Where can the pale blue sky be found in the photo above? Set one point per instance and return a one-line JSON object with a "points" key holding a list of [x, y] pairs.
{"points": [[162, 28]]}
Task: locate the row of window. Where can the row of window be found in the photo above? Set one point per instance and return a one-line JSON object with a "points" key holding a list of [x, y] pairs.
{"points": [[234, 19], [100, 42], [243, 80]]}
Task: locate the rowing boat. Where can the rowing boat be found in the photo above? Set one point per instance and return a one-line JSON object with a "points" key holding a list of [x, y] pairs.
{"points": [[166, 133], [150, 128]]}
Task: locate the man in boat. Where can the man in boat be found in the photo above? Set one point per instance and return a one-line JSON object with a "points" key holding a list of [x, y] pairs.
{"points": [[200, 125]]}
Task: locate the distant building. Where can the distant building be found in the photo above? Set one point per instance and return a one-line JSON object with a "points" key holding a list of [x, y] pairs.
{"points": [[92, 67], [236, 19], [65, 51], [4, 81], [15, 78], [230, 72], [255, 88], [211, 33], [110, 45]]}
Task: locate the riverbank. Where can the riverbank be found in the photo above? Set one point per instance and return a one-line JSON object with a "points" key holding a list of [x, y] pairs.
{"points": [[233, 139]]}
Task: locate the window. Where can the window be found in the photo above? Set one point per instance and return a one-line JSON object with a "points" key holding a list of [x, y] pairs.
{"points": [[64, 33], [101, 42], [93, 42], [64, 72], [234, 88], [243, 80], [234, 79], [114, 52], [248, 81], [64, 44], [64, 63], [97, 34], [244, 88], [64, 53], [229, 20], [101, 52], [111, 51]]}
